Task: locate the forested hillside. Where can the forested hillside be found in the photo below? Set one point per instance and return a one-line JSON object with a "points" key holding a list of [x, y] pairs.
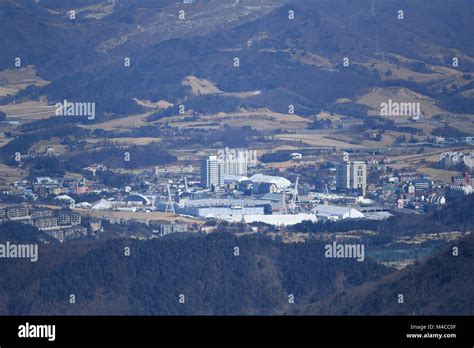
{"points": [[204, 269], [442, 285]]}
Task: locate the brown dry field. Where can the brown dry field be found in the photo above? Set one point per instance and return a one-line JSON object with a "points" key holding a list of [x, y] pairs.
{"points": [[258, 113], [14, 80], [439, 175], [285, 148], [125, 141], [465, 123], [283, 165], [317, 140], [375, 97], [200, 86], [10, 174], [196, 124], [125, 123], [40, 146], [260, 120], [399, 72], [28, 111], [387, 140]]}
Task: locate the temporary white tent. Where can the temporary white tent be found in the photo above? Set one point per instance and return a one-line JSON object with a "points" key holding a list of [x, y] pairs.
{"points": [[333, 212]]}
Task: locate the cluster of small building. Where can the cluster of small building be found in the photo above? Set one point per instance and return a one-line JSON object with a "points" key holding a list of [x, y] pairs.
{"points": [[233, 186], [460, 186], [44, 186], [451, 159], [447, 141], [60, 224], [410, 190]]}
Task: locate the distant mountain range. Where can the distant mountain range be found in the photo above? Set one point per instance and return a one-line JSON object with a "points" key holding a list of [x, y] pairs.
{"points": [[290, 61]]}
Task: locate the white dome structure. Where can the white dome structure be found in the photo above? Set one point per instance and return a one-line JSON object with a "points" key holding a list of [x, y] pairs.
{"points": [[102, 204], [65, 198], [136, 197], [84, 205], [280, 182], [333, 212]]}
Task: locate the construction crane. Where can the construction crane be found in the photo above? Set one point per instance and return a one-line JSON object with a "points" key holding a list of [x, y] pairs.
{"points": [[169, 204], [295, 200], [372, 8], [186, 184]]}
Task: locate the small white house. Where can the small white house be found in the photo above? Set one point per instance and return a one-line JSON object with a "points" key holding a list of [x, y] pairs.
{"points": [[296, 156]]}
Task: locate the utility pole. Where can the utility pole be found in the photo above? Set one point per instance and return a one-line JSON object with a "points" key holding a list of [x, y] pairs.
{"points": [[285, 210]]}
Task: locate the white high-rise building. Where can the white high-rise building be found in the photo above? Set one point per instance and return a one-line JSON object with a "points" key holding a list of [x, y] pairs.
{"points": [[351, 176], [212, 172], [236, 162], [227, 162]]}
